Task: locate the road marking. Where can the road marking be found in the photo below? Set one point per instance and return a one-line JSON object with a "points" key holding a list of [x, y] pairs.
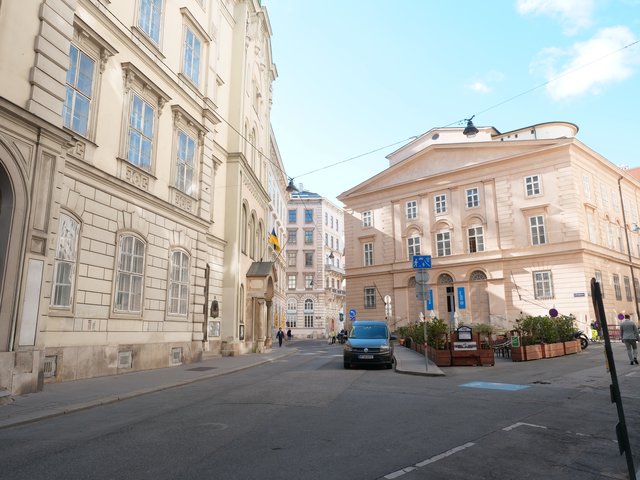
{"points": [[495, 386], [440, 456], [521, 424]]}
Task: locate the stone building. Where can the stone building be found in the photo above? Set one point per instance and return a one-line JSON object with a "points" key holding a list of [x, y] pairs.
{"points": [[134, 157], [315, 265], [516, 223]]}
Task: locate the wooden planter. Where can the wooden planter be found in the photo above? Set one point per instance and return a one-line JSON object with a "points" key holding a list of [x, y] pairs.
{"points": [[551, 350], [572, 346], [527, 353], [441, 358]]}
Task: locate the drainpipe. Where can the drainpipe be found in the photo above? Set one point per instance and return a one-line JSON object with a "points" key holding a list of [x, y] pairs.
{"points": [[626, 233]]}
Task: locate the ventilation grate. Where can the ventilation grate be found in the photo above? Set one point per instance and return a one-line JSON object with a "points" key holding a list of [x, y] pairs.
{"points": [[50, 366], [124, 359], [176, 356]]}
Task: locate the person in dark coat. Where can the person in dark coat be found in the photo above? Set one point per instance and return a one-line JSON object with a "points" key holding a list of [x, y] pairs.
{"points": [[280, 336]]}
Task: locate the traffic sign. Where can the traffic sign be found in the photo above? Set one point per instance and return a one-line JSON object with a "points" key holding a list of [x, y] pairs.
{"points": [[352, 313], [422, 261]]}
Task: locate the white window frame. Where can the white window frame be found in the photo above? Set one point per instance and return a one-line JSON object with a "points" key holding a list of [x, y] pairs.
{"points": [[440, 204], [475, 238], [369, 297], [308, 237], [291, 281], [64, 263], [178, 291], [532, 185], [129, 286], [411, 209], [367, 219], [367, 254], [616, 286], [191, 55], [308, 280], [443, 243], [150, 21], [472, 197], [413, 246], [537, 230], [76, 95], [543, 285]]}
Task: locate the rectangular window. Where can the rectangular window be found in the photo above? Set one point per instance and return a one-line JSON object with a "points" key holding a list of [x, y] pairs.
{"points": [[476, 239], [412, 210], [191, 56], [616, 286], [308, 259], [604, 196], [598, 276], [308, 216], [440, 203], [149, 17], [141, 127], [64, 265], [185, 162], [369, 297], [591, 226], [77, 103], [308, 321], [636, 287], [368, 254], [443, 244], [129, 277], [308, 281], [293, 216], [532, 185], [179, 284], [292, 258], [326, 218], [627, 289], [308, 237], [367, 218], [291, 282], [413, 246], [292, 236], [543, 285], [536, 224], [473, 197]]}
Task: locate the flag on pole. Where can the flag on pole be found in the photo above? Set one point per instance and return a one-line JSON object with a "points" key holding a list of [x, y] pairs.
{"points": [[273, 240]]}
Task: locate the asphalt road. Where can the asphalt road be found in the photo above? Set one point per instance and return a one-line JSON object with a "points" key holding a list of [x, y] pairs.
{"points": [[305, 417]]}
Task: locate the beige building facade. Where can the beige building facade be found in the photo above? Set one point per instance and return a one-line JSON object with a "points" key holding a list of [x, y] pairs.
{"points": [[315, 266], [134, 166], [515, 224]]}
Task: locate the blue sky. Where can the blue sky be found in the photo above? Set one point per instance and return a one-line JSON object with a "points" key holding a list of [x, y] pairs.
{"points": [[358, 75]]}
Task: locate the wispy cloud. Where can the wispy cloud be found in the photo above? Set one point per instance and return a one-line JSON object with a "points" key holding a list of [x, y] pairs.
{"points": [[485, 83], [574, 15], [589, 66]]}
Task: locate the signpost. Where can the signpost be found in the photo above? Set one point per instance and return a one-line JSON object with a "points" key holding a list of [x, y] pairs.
{"points": [[420, 263]]}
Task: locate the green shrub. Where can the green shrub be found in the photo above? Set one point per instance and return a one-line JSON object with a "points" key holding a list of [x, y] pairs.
{"points": [[545, 329]]}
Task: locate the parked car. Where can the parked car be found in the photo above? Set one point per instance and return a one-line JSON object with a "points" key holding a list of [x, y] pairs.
{"points": [[369, 343]]}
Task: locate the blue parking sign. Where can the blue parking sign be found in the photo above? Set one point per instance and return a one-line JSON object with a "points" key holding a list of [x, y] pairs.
{"points": [[352, 313]]}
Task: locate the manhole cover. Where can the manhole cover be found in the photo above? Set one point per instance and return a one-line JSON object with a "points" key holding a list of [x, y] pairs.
{"points": [[200, 369]]}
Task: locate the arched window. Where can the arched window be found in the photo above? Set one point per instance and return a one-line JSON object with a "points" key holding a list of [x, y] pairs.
{"points": [[178, 283], [252, 236], [477, 276], [445, 279], [308, 313], [243, 230], [64, 265], [130, 274]]}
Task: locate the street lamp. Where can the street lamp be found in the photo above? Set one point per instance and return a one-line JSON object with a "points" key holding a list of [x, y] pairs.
{"points": [[470, 130]]}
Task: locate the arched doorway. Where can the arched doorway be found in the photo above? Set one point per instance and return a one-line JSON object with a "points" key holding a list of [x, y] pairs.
{"points": [[478, 297], [446, 298]]}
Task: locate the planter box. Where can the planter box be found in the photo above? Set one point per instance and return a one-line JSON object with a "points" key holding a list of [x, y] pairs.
{"points": [[572, 346], [551, 350], [441, 358], [525, 354]]}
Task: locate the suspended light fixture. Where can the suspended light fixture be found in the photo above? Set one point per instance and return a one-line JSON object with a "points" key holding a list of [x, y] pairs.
{"points": [[291, 187], [470, 130]]}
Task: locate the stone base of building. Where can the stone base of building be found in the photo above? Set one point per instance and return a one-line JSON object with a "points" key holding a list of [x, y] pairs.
{"points": [[21, 372], [62, 364]]}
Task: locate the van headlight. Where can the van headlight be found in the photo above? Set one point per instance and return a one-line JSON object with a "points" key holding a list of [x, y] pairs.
{"points": [[384, 348], [347, 347]]}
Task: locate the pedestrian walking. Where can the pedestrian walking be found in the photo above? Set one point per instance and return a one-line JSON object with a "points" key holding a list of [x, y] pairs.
{"points": [[289, 335], [629, 335], [280, 336]]}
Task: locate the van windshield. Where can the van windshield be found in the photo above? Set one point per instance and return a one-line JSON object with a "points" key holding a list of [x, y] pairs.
{"points": [[369, 331]]}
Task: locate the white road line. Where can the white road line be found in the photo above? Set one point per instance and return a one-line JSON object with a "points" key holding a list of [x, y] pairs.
{"points": [[401, 472], [521, 424]]}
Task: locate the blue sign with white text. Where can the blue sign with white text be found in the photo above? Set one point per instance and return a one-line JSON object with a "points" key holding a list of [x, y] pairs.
{"points": [[461, 300], [430, 300], [422, 261]]}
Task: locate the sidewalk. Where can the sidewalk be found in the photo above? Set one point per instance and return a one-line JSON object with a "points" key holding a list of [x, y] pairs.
{"points": [[66, 397]]}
